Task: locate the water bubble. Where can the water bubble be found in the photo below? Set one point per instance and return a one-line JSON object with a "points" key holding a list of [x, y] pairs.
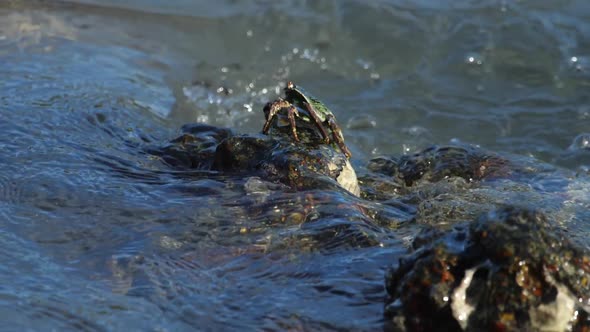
{"points": [[406, 148], [249, 33], [578, 63], [581, 142], [310, 55], [584, 113], [366, 65], [473, 59], [202, 118], [362, 121], [416, 131]]}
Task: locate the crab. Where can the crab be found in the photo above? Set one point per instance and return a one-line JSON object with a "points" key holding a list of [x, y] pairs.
{"points": [[317, 113]]}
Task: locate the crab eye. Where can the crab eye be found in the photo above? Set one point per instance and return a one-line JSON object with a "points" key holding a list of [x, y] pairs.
{"points": [[290, 85]]}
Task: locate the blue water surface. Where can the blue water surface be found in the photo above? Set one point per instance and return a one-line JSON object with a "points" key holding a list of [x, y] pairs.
{"points": [[96, 234]]}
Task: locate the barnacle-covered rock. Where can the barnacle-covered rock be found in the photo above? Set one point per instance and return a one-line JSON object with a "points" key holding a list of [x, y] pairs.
{"points": [[512, 270]]}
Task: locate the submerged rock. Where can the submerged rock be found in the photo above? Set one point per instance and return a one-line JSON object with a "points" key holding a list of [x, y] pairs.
{"points": [[512, 270]]}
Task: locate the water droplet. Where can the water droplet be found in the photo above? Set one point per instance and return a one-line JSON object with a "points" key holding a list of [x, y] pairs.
{"points": [[249, 33]]}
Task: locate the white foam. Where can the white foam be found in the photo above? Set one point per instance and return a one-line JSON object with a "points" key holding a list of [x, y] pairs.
{"points": [[557, 315], [459, 306]]}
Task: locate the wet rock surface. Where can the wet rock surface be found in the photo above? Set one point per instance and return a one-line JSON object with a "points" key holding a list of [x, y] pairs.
{"points": [[298, 166], [439, 162], [511, 270]]}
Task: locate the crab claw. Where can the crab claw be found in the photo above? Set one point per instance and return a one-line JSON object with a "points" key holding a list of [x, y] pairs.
{"points": [[271, 110]]}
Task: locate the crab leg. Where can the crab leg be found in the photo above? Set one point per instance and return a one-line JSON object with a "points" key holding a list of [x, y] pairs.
{"points": [[318, 122], [271, 110], [291, 113], [337, 135]]}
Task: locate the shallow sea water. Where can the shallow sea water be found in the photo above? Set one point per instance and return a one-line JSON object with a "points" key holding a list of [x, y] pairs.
{"points": [[96, 235]]}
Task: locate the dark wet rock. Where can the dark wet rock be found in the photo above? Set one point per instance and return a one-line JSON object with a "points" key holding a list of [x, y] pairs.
{"points": [[277, 158], [511, 270], [439, 162], [298, 167], [195, 148], [410, 177]]}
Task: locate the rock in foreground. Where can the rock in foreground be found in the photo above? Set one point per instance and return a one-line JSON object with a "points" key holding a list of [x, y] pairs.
{"points": [[511, 270]]}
